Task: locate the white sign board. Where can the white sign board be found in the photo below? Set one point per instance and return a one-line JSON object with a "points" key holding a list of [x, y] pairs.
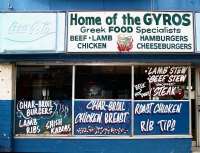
{"points": [[197, 21], [33, 32], [130, 32]]}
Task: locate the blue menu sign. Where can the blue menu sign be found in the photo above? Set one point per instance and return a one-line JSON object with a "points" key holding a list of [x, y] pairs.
{"points": [[161, 117], [43, 117], [102, 117]]}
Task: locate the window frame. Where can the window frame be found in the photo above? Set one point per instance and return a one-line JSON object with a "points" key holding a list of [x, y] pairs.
{"points": [[132, 136]]}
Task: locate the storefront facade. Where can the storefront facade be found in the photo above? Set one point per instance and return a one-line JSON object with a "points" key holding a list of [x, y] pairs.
{"points": [[99, 81]]}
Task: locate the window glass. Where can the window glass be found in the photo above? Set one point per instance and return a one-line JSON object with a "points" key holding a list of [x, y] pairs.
{"points": [[43, 100], [103, 82], [161, 82], [161, 100], [103, 101]]}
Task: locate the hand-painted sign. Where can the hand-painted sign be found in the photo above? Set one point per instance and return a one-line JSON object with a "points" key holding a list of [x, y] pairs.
{"points": [[167, 82], [161, 117], [130, 31], [43, 117], [102, 117]]}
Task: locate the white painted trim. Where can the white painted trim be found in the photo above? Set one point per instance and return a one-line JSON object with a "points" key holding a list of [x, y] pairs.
{"points": [[73, 93], [132, 102], [96, 63]]}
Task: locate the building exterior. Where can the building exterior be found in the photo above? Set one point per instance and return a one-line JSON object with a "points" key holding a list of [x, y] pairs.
{"points": [[99, 76]]}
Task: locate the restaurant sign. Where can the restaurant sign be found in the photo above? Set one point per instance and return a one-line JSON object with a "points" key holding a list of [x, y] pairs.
{"points": [[131, 31], [102, 117], [161, 117], [42, 32]]}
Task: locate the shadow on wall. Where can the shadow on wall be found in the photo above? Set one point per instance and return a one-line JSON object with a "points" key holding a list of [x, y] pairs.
{"points": [[65, 5]]}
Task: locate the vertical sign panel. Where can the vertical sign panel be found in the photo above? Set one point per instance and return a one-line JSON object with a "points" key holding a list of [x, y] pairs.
{"points": [[197, 22]]}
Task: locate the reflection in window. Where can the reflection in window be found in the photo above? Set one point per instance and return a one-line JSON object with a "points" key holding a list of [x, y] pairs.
{"points": [[41, 83], [103, 82], [43, 100]]}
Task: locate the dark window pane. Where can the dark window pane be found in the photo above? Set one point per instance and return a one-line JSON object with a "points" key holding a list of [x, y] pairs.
{"points": [[103, 82]]}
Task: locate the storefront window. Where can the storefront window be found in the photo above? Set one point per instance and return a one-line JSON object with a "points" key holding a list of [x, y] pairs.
{"points": [[161, 100], [43, 100], [103, 103]]}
